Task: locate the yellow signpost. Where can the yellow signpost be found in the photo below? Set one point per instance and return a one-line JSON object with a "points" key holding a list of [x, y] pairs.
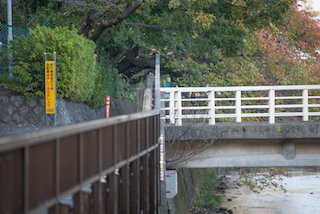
{"points": [[50, 87]]}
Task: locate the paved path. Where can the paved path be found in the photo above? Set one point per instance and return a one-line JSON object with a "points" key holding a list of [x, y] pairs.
{"points": [[7, 129]]}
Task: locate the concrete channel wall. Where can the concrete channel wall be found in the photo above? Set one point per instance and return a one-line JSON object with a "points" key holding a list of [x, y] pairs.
{"points": [[189, 184], [21, 110]]}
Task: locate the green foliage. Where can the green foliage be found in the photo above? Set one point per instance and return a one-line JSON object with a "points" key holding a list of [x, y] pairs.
{"points": [[77, 69], [207, 196], [277, 56], [190, 34], [110, 82]]}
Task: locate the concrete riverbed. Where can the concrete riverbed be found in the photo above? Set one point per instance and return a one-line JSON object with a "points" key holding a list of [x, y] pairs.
{"points": [[302, 196]]}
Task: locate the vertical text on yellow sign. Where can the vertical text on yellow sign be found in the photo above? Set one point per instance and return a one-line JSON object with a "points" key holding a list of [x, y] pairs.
{"points": [[50, 87]]}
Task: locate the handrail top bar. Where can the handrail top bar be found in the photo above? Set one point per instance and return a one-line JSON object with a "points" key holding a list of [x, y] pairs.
{"points": [[36, 137], [239, 88]]}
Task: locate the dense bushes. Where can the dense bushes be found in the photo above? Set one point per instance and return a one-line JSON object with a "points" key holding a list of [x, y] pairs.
{"points": [[79, 76]]}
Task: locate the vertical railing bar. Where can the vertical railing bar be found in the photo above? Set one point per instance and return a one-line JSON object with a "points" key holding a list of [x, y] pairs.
{"points": [[238, 106], [100, 170], [81, 171], [158, 179], [138, 168], [147, 132], [112, 190], [144, 184], [271, 106], [154, 167], [115, 184], [152, 179], [178, 107], [305, 108], [126, 181], [114, 145], [212, 120], [26, 178], [57, 172], [138, 136], [171, 105], [145, 165], [154, 130], [100, 151], [157, 133]]}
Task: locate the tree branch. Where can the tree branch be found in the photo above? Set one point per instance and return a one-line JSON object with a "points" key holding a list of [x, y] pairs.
{"points": [[111, 22], [158, 27]]}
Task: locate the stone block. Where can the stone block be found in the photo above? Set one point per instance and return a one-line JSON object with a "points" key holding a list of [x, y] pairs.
{"points": [[101, 112], [23, 110], [4, 100], [63, 117], [17, 101], [16, 118], [32, 118], [42, 120], [31, 102], [4, 117], [84, 114], [50, 120], [42, 102], [58, 100], [9, 109], [38, 110]]}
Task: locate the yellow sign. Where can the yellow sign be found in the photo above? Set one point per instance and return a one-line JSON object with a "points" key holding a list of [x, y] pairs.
{"points": [[50, 87]]}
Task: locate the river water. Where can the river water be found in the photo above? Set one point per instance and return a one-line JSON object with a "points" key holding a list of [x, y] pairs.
{"points": [[302, 196]]}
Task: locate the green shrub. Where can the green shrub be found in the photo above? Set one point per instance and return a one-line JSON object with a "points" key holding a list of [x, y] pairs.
{"points": [[110, 82], [208, 197], [77, 68]]}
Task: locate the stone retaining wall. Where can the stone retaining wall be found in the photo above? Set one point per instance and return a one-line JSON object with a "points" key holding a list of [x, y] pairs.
{"points": [[20, 110]]}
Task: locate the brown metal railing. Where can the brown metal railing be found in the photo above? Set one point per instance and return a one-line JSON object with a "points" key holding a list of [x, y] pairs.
{"points": [[118, 157]]}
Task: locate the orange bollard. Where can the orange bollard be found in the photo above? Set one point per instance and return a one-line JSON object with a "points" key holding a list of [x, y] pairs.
{"points": [[107, 106]]}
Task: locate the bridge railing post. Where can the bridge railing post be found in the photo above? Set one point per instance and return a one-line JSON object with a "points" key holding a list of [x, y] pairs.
{"points": [[212, 120], [271, 106], [178, 106], [171, 105], [238, 106], [305, 108]]}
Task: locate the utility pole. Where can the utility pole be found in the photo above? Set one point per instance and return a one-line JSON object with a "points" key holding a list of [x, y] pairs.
{"points": [[157, 104], [9, 8], [157, 81]]}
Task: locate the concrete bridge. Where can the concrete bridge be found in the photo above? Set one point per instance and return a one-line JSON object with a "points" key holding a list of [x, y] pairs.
{"points": [[122, 157], [242, 126]]}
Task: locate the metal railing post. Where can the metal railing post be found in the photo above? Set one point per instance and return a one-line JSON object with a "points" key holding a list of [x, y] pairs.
{"points": [[211, 103], [171, 105], [157, 82], [178, 106], [26, 178], [305, 108], [57, 171], [271, 106], [238, 106]]}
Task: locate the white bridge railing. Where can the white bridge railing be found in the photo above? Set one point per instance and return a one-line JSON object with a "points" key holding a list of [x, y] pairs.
{"points": [[267, 102]]}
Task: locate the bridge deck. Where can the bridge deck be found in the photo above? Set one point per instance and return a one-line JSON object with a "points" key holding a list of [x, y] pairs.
{"points": [[244, 145]]}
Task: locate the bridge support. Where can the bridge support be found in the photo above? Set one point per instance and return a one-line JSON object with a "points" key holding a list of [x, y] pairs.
{"points": [[288, 149]]}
